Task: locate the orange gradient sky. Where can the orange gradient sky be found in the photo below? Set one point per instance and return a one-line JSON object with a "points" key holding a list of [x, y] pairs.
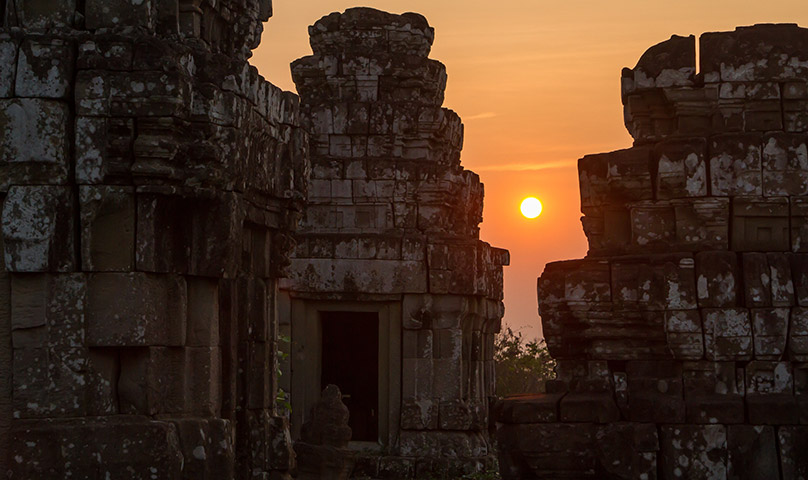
{"points": [[537, 84]]}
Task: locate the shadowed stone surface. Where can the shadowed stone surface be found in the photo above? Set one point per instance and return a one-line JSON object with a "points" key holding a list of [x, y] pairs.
{"points": [[685, 319], [150, 180]]}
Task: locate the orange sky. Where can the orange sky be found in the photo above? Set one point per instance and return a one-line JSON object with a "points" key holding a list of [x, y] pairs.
{"points": [[537, 84]]}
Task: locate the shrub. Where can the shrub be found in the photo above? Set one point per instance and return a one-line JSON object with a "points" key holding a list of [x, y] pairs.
{"points": [[521, 367]]}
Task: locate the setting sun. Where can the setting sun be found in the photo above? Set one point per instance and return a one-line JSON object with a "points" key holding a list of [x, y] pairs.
{"points": [[531, 207]]}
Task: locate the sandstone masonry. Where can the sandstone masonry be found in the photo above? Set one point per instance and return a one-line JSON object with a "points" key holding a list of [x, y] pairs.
{"points": [[150, 180], [682, 337], [389, 265]]}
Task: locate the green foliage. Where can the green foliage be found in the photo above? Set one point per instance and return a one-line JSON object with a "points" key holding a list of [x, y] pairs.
{"points": [[522, 367]]}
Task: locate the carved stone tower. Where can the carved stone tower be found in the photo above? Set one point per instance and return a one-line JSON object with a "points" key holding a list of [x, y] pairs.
{"points": [[392, 296]]}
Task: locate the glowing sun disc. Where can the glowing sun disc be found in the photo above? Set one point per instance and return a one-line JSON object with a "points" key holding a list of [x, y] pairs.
{"points": [[531, 207]]}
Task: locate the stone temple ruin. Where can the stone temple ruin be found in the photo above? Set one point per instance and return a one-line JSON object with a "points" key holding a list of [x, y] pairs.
{"points": [[682, 337], [389, 276], [151, 182]]}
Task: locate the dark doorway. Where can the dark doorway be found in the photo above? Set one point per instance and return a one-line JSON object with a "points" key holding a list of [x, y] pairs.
{"points": [[351, 362]]}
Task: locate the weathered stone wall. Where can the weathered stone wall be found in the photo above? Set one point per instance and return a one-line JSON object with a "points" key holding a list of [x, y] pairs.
{"points": [[150, 179], [681, 338], [393, 217]]}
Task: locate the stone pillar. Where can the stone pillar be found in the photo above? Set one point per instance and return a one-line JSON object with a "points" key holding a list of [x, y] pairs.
{"points": [[680, 337], [150, 181], [392, 226]]}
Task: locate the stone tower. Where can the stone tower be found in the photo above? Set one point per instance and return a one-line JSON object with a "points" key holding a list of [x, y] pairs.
{"points": [[682, 337], [150, 180], [391, 296]]}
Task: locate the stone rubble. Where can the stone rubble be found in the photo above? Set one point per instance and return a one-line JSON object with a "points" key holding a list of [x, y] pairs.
{"points": [[684, 327], [150, 181]]}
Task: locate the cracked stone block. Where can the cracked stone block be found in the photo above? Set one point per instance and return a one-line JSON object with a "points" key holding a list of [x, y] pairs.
{"points": [[37, 226], [203, 312], [107, 228], [717, 279], [760, 224], [118, 316], [628, 450], [769, 377], [767, 280], [727, 334], [655, 391], [103, 153], [735, 167], [33, 142], [45, 69], [203, 377], [693, 451]]}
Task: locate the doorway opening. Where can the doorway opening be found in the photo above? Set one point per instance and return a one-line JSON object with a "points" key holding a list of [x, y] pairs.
{"points": [[350, 360]]}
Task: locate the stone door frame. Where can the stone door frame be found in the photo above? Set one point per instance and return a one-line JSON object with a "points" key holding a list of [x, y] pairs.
{"points": [[306, 362]]}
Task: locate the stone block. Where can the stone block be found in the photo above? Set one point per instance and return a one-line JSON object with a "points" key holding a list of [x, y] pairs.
{"points": [[760, 224], [693, 451], [589, 407], [454, 415], [45, 68], [752, 452], [203, 378], [799, 270], [103, 150], [203, 312], [628, 450], [48, 310], [799, 224], [136, 309], [653, 225], [153, 380], [727, 334], [655, 391], [419, 414], [38, 226], [684, 333], [735, 166], [547, 450], [33, 142], [45, 14], [768, 280], [717, 279], [785, 161], [681, 169], [8, 54], [118, 13], [107, 228], [769, 378], [528, 408], [702, 223], [770, 332], [798, 334], [777, 409], [793, 443]]}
